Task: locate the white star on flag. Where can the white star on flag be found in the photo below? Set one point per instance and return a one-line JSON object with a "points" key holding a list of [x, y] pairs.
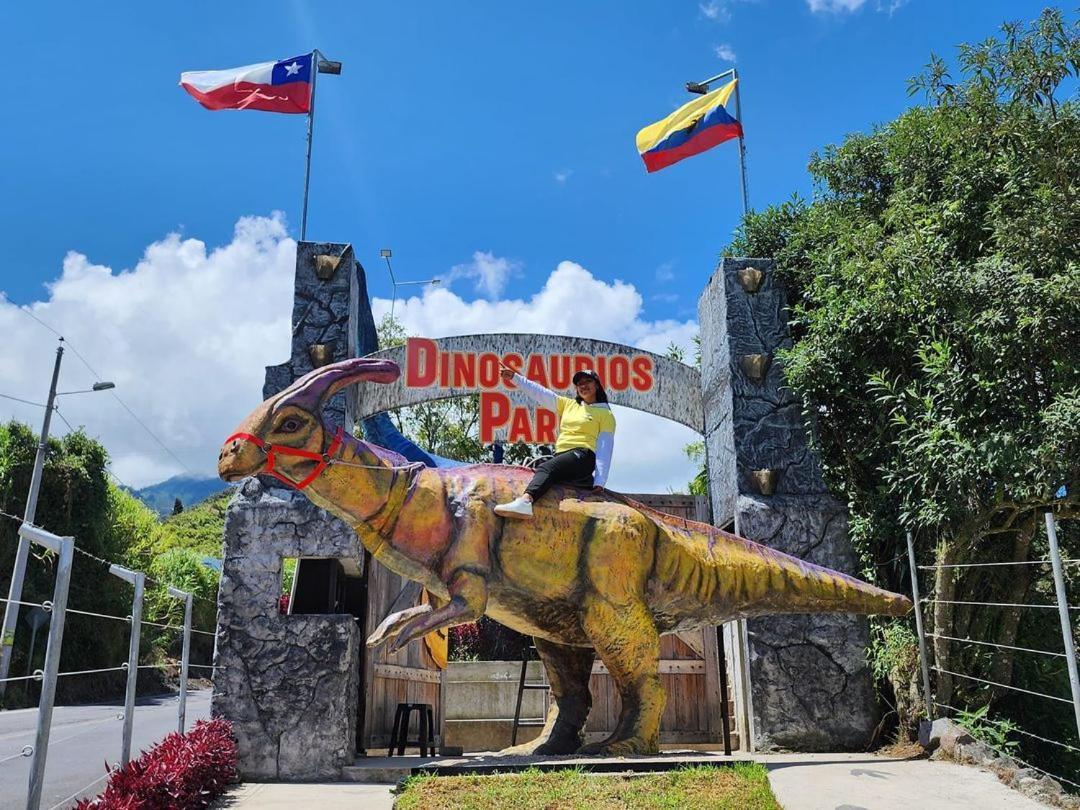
{"points": [[291, 69]]}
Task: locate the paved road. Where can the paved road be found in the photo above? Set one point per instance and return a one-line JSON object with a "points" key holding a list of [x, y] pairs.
{"points": [[82, 738]]}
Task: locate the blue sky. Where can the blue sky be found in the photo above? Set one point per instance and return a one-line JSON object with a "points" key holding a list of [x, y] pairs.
{"points": [[488, 143], [449, 129]]}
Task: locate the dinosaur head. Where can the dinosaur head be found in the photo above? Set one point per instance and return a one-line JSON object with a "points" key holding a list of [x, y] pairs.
{"points": [[291, 421]]}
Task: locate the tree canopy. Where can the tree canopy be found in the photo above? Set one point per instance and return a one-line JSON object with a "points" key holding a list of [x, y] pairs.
{"points": [[935, 297]]}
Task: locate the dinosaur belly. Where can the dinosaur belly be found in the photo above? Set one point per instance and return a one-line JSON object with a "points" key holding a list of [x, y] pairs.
{"points": [[554, 620]]}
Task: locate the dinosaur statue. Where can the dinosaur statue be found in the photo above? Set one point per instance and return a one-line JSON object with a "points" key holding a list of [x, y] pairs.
{"points": [[591, 574]]}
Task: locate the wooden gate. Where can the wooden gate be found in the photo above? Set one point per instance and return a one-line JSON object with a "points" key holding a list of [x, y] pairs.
{"points": [[689, 668], [407, 676]]}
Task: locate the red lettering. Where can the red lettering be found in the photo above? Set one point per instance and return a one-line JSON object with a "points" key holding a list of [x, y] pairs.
{"points": [[536, 371], [464, 370], [620, 373], [582, 362], [421, 355], [489, 370], [515, 362], [560, 371], [602, 369], [521, 427], [546, 421], [643, 378], [494, 413], [444, 370]]}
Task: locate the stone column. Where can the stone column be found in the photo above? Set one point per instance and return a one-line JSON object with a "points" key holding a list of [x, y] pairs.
{"points": [[290, 684], [810, 687]]}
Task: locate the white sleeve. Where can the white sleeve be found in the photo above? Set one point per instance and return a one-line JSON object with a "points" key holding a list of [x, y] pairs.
{"points": [[549, 399], [605, 444]]}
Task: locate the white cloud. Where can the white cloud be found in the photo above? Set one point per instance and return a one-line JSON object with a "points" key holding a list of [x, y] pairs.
{"points": [[724, 51], [715, 10], [667, 298], [184, 335], [562, 175], [834, 6], [665, 272], [187, 332], [490, 273], [648, 455]]}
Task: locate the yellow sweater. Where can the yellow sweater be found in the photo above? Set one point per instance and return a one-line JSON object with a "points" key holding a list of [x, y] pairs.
{"points": [[580, 425]]}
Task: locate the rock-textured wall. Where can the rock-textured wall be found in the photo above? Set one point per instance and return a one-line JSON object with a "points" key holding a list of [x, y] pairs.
{"points": [[289, 684], [810, 686]]}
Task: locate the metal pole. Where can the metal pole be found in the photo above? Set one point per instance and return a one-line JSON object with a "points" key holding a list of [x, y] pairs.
{"points": [[138, 579], [919, 628], [742, 147], [310, 131], [1063, 613], [66, 548], [18, 575], [184, 658]]}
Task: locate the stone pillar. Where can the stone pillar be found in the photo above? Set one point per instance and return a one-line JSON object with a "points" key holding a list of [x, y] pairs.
{"points": [[810, 687], [290, 684]]}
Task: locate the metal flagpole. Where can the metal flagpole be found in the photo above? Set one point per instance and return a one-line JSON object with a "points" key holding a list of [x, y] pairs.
{"points": [[742, 147], [310, 130], [703, 87]]}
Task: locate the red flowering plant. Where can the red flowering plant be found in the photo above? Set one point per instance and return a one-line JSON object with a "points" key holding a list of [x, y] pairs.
{"points": [[180, 772]]}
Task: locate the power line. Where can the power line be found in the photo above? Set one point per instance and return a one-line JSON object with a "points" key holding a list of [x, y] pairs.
{"points": [[24, 401], [98, 377]]}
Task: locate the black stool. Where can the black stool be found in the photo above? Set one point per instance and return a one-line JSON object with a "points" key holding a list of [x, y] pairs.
{"points": [[400, 737]]}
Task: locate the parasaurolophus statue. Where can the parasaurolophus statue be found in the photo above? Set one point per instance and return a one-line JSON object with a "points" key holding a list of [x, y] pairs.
{"points": [[590, 575]]}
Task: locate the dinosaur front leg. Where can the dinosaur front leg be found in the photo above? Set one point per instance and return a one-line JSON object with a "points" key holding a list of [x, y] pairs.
{"points": [[568, 670], [627, 642], [468, 598]]}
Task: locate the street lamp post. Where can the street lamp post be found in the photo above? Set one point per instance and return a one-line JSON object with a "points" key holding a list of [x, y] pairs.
{"points": [[386, 253], [11, 607]]}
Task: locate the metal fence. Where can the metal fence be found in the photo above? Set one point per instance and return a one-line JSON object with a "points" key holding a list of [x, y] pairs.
{"points": [[935, 708], [58, 610]]}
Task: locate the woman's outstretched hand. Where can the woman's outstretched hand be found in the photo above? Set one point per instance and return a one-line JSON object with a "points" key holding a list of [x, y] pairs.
{"points": [[506, 372]]}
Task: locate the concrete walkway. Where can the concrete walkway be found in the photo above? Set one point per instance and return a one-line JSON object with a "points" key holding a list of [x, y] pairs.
{"points": [[867, 782], [800, 782]]}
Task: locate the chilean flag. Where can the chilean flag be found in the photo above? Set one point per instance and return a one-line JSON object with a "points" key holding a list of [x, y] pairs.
{"points": [[283, 87]]}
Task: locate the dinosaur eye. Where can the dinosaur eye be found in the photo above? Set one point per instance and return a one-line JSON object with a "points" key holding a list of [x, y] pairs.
{"points": [[290, 425]]}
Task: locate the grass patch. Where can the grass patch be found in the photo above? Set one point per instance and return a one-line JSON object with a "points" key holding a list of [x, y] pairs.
{"points": [[745, 786]]}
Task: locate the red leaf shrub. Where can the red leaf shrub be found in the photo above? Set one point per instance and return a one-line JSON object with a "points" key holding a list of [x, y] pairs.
{"points": [[180, 772]]}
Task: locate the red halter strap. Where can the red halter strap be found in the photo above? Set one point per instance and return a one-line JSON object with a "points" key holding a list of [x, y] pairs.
{"points": [[271, 451]]}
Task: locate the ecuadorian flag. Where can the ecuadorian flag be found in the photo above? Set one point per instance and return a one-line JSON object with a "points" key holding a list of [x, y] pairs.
{"points": [[691, 129]]}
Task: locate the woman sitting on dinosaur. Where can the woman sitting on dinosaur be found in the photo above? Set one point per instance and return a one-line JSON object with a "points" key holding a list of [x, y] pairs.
{"points": [[585, 440]]}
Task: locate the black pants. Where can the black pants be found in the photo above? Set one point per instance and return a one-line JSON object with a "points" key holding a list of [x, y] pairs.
{"points": [[574, 467]]}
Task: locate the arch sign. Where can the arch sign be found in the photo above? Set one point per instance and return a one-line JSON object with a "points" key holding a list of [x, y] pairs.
{"points": [[439, 368]]}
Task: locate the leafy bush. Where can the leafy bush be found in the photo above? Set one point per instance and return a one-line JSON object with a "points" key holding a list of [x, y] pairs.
{"points": [[181, 772], [994, 733]]}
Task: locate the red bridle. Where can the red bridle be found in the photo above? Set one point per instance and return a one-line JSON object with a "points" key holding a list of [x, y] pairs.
{"points": [[324, 459]]}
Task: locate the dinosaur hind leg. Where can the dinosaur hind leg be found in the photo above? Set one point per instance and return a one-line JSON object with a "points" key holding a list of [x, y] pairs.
{"points": [[627, 642], [568, 670]]}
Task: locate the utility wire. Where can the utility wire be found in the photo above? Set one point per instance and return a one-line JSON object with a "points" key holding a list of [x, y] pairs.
{"points": [[23, 401], [97, 376]]}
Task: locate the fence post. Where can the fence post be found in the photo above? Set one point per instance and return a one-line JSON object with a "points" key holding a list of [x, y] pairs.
{"points": [[138, 579], [919, 629], [176, 592], [1063, 613], [65, 547]]}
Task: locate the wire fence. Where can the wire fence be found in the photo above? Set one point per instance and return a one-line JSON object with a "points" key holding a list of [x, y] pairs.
{"points": [[999, 742], [65, 550]]}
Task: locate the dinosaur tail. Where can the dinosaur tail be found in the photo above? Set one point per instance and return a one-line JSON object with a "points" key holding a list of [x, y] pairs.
{"points": [[709, 573]]}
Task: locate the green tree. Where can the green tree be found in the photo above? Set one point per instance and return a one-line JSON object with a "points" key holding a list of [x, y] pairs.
{"points": [[935, 290], [177, 507]]}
